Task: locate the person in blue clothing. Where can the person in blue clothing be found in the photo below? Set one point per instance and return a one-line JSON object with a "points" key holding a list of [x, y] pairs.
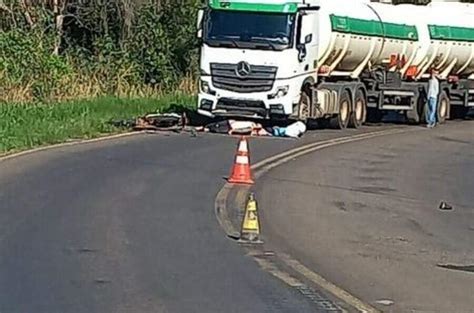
{"points": [[433, 92]]}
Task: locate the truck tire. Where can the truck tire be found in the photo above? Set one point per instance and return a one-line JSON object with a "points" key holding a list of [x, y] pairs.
{"points": [[443, 107], [418, 114], [304, 106], [304, 111], [359, 112], [423, 111], [459, 112], [341, 120]]}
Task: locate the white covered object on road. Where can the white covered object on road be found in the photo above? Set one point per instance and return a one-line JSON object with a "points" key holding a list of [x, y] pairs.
{"points": [[296, 130]]}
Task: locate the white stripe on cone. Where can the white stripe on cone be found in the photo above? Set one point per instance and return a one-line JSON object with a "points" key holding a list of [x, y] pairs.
{"points": [[243, 146], [242, 159]]}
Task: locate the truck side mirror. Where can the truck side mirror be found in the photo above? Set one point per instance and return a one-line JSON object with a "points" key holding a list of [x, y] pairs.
{"points": [[301, 52], [200, 18]]}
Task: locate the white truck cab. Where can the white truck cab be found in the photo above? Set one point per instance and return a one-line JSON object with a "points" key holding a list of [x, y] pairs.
{"points": [[256, 56]]}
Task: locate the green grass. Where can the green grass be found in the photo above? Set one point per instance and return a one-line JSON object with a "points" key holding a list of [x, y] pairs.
{"points": [[25, 126]]}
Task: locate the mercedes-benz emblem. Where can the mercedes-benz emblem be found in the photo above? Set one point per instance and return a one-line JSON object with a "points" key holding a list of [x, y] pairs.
{"points": [[243, 69]]}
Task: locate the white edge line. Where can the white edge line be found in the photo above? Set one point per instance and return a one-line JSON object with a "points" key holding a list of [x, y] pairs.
{"points": [[67, 144]]}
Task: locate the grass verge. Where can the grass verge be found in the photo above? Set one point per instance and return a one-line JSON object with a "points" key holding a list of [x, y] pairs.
{"points": [[25, 126]]}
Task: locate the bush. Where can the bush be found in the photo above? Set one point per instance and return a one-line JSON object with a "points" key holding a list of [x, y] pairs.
{"points": [[117, 47], [27, 66]]}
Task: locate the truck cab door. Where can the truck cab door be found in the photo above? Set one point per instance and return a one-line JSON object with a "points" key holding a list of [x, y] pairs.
{"points": [[307, 40]]}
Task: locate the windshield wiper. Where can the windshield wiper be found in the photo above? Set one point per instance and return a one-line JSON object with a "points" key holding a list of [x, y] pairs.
{"points": [[275, 43], [223, 40], [279, 41], [264, 41]]}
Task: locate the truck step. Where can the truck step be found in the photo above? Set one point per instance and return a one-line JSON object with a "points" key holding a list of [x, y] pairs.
{"points": [[398, 93], [396, 107]]}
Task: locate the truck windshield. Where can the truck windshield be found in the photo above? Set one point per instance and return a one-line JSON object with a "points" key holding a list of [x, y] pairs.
{"points": [[252, 30]]}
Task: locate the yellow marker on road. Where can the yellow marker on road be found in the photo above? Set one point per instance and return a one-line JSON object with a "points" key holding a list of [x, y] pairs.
{"points": [[251, 224]]}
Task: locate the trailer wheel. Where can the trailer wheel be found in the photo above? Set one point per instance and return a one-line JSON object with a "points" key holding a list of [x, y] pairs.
{"points": [[341, 120], [359, 113], [443, 107]]}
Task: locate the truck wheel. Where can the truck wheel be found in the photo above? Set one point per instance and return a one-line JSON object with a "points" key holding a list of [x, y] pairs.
{"points": [[459, 112], [418, 114], [304, 111], [359, 114], [423, 111], [304, 106], [341, 120], [443, 107]]}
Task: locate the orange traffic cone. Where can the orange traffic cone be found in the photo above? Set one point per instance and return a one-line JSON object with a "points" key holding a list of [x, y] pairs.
{"points": [[241, 172]]}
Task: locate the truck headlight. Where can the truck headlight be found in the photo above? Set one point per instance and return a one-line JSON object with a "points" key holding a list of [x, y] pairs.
{"points": [[205, 88], [280, 92]]}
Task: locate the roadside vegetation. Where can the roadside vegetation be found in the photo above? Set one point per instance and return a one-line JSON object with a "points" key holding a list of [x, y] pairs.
{"points": [[69, 66], [25, 126]]}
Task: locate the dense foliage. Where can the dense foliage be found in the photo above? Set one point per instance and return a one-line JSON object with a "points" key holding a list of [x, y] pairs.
{"points": [[60, 49]]}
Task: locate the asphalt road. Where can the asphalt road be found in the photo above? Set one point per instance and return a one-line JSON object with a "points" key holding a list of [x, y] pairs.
{"points": [[365, 215], [128, 226]]}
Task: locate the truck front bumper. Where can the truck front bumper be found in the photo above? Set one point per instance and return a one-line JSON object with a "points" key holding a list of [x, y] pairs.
{"points": [[278, 101], [238, 107]]}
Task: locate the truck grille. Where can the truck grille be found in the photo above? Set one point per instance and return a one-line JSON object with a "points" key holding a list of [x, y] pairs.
{"points": [[241, 106], [260, 78]]}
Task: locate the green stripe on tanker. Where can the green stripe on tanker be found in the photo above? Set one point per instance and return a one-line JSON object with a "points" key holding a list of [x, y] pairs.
{"points": [[344, 24], [451, 33], [254, 7]]}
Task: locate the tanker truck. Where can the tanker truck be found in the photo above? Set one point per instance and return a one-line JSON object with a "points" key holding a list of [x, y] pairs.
{"points": [[342, 61]]}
